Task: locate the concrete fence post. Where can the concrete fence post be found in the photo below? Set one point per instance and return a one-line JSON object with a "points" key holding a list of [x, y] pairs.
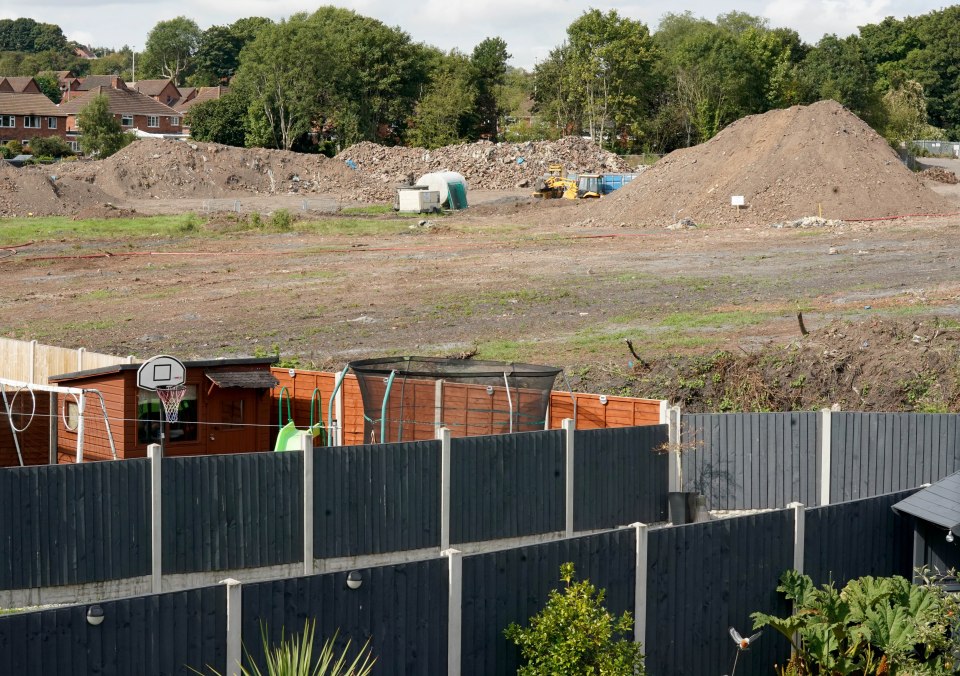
{"points": [[454, 610], [156, 518], [234, 618], [826, 433], [307, 448], [640, 589], [570, 455], [674, 441], [443, 434], [799, 531]]}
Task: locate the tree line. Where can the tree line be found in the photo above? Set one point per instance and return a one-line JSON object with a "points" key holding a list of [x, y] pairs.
{"points": [[334, 77]]}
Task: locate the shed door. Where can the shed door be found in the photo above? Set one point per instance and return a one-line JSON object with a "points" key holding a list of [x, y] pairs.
{"points": [[232, 412]]}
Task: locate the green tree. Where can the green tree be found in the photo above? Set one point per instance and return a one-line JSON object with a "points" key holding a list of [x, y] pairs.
{"points": [[118, 63], [280, 78], [575, 635], [602, 80], [101, 133], [49, 85], [489, 61], [836, 69], [447, 102], [219, 120], [217, 57], [27, 35], [170, 48]]}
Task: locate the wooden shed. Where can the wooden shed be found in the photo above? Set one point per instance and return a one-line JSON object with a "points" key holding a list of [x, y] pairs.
{"points": [[936, 527], [226, 409]]}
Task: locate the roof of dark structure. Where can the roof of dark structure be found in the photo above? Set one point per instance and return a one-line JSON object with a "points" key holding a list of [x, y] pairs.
{"points": [[203, 363], [939, 503], [262, 380]]}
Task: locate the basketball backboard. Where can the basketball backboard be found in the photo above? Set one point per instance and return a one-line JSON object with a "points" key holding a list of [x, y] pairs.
{"points": [[161, 371]]}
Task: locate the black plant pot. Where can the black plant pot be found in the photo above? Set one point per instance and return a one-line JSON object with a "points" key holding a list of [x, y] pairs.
{"points": [[679, 507], [697, 507]]}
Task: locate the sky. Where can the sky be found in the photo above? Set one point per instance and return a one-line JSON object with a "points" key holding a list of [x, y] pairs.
{"points": [[531, 28]]}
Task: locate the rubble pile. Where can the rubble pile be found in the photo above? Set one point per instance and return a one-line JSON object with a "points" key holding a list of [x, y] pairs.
{"points": [[940, 175], [485, 165], [167, 168], [786, 164], [39, 191]]}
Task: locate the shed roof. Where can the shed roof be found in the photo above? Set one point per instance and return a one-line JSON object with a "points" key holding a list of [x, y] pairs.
{"points": [[258, 380], [939, 503], [204, 364], [120, 101]]}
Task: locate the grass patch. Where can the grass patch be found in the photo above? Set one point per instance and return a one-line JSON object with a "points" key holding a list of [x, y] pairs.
{"points": [[20, 230], [369, 210], [352, 226], [710, 320], [99, 294]]}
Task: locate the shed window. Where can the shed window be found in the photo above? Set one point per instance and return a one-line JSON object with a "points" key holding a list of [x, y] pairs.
{"points": [[150, 418]]}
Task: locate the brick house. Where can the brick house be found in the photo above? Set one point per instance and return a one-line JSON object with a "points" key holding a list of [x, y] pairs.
{"points": [[200, 95], [78, 87], [163, 91], [24, 116], [19, 85], [136, 112]]}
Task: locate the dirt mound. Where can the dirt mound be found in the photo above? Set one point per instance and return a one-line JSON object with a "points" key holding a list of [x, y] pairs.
{"points": [[485, 165], [167, 168], [802, 161], [872, 366], [940, 175], [42, 191]]}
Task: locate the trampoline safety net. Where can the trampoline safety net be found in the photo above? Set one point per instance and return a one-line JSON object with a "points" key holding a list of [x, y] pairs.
{"points": [[410, 398]]}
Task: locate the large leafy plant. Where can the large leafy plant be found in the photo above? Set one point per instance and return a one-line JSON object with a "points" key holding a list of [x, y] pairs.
{"points": [[872, 626], [575, 635]]}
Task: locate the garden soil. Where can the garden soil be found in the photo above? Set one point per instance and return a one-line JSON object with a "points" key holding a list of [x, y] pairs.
{"points": [[817, 160]]}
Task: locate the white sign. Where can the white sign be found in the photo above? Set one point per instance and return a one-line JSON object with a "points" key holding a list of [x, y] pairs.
{"points": [[737, 201]]}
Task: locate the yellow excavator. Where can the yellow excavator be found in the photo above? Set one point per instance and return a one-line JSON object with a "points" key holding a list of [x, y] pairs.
{"points": [[556, 184]]}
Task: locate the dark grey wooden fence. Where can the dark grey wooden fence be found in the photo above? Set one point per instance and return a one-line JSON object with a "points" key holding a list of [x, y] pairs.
{"points": [[375, 499], [878, 453], [162, 634], [513, 585], [402, 609], [751, 460], [852, 539], [507, 486], [619, 478], [704, 578], [72, 524], [232, 511]]}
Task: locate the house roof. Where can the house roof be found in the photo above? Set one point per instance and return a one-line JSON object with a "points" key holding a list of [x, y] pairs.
{"points": [[93, 81], [152, 87], [20, 84], [204, 94], [121, 101], [938, 504], [187, 93], [204, 364], [28, 104]]}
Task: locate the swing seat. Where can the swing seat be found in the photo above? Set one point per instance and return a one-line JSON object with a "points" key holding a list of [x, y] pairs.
{"points": [[289, 438]]}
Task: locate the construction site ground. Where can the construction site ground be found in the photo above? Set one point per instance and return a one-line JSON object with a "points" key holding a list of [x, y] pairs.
{"points": [[499, 279]]}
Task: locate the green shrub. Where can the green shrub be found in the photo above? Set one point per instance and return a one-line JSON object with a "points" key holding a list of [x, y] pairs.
{"points": [[873, 626], [575, 635], [14, 148], [281, 220], [190, 223], [49, 146]]}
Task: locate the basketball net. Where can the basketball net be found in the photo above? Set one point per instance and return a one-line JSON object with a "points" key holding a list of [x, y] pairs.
{"points": [[171, 396]]}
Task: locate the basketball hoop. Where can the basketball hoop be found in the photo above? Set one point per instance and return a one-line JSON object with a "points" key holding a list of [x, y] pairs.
{"points": [[171, 396]]}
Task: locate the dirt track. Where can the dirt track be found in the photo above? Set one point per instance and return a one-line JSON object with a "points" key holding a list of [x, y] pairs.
{"points": [[487, 279]]}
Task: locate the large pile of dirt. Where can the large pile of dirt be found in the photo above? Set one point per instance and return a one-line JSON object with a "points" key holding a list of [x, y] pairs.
{"points": [[166, 168], [485, 165], [877, 365], [41, 191], [806, 160]]}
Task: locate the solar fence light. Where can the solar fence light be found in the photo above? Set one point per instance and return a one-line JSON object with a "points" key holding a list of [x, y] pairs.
{"points": [[354, 579], [94, 616]]}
